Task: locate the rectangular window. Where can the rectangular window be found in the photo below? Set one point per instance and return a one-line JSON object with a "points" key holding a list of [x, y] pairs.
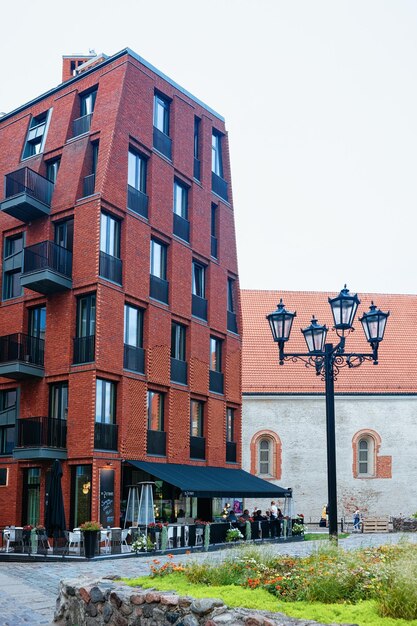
{"points": [[52, 168], [178, 341], [133, 331], [58, 401], [105, 401], [86, 315], [64, 233], [216, 154], [3, 477], [230, 295], [155, 410], [37, 322], [198, 280], [36, 136], [161, 114], [215, 354], [158, 259], [180, 200], [197, 419], [197, 122], [8, 409], [230, 425], [87, 102], [109, 235], [136, 174], [213, 222], [12, 267]]}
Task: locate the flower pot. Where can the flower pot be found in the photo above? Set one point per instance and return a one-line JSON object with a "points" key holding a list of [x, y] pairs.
{"points": [[90, 543]]}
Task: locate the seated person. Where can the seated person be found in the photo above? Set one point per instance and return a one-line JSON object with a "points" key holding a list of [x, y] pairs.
{"points": [[258, 515], [231, 516]]}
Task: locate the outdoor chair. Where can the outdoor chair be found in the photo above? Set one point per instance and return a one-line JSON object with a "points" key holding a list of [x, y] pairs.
{"points": [[199, 536], [124, 535], [105, 538], [170, 542], [13, 535], [73, 540]]}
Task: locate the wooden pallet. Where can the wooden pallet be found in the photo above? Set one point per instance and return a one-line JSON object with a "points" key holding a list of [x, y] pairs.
{"points": [[376, 525]]}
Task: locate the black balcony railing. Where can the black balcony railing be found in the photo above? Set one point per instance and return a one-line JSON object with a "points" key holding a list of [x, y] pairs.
{"points": [[162, 143], [197, 164], [197, 447], [137, 201], [134, 358], [42, 432], [216, 381], [181, 227], [27, 181], [159, 289], [219, 186], [179, 371], [231, 451], [47, 255], [24, 348], [110, 267], [156, 442], [199, 307], [105, 436], [81, 125], [84, 348], [89, 184], [214, 247], [231, 322]]}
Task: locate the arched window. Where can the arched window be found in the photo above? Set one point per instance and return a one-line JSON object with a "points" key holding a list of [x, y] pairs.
{"points": [[363, 456], [367, 461], [264, 457]]}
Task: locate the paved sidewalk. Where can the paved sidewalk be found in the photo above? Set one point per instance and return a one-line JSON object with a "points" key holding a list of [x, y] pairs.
{"points": [[28, 591]]}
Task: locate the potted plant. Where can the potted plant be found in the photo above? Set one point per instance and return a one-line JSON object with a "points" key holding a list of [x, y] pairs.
{"points": [[233, 534], [90, 532]]}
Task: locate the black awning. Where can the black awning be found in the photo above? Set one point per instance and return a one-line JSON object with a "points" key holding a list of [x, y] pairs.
{"points": [[212, 482]]}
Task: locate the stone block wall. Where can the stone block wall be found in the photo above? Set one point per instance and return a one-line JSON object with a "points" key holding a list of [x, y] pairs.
{"points": [[85, 602], [405, 524]]}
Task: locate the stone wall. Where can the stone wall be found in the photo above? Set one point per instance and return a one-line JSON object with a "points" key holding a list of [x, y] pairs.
{"points": [[405, 524], [84, 602]]}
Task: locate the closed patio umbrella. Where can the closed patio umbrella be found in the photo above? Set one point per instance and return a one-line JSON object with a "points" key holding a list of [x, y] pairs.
{"points": [[55, 513]]}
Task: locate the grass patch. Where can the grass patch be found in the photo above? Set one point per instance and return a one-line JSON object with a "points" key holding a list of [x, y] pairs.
{"points": [[322, 536], [364, 613], [370, 586]]}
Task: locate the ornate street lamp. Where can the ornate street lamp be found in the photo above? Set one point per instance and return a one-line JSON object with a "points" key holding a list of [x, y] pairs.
{"points": [[328, 359]]}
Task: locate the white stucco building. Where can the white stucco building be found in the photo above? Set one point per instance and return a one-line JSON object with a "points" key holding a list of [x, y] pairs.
{"points": [[284, 422]]}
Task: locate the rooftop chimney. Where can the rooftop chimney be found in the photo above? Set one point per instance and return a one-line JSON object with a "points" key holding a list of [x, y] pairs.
{"points": [[71, 62]]}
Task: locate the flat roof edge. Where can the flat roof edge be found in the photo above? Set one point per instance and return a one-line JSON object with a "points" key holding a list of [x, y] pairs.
{"points": [[110, 59]]}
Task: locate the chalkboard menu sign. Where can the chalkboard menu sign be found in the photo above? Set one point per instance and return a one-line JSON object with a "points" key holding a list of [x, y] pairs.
{"points": [[107, 497]]}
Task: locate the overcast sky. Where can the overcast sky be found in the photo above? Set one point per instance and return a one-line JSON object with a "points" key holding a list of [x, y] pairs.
{"points": [[320, 101]]}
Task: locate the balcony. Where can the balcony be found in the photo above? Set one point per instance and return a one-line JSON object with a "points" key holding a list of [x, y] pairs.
{"points": [[199, 307], [27, 195], [197, 168], [198, 448], [137, 201], [110, 268], [105, 436], [231, 452], [159, 289], [41, 438], [231, 322], [89, 185], [156, 443], [134, 359], [216, 381], [47, 268], [21, 356], [81, 125], [214, 247], [219, 186], [162, 143], [84, 349], [178, 371], [181, 228]]}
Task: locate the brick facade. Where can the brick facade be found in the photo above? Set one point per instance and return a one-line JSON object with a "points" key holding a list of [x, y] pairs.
{"points": [[122, 119]]}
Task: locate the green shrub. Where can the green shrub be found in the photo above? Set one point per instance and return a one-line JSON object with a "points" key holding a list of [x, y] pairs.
{"points": [[397, 595]]}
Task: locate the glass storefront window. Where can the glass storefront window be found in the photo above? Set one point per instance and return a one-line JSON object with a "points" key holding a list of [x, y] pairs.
{"points": [[81, 489]]}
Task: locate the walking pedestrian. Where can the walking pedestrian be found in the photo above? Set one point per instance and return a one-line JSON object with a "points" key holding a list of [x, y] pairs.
{"points": [[356, 520]]}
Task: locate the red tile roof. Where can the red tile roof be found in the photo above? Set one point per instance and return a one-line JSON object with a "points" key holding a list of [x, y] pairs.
{"points": [[397, 369]]}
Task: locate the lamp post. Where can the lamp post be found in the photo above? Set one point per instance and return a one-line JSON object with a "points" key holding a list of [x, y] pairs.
{"points": [[327, 359]]}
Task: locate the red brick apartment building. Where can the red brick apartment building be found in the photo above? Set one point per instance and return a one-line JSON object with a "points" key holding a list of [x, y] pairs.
{"points": [[120, 313]]}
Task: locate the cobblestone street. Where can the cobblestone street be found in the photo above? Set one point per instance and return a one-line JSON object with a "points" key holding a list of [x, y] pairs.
{"points": [[28, 590]]}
